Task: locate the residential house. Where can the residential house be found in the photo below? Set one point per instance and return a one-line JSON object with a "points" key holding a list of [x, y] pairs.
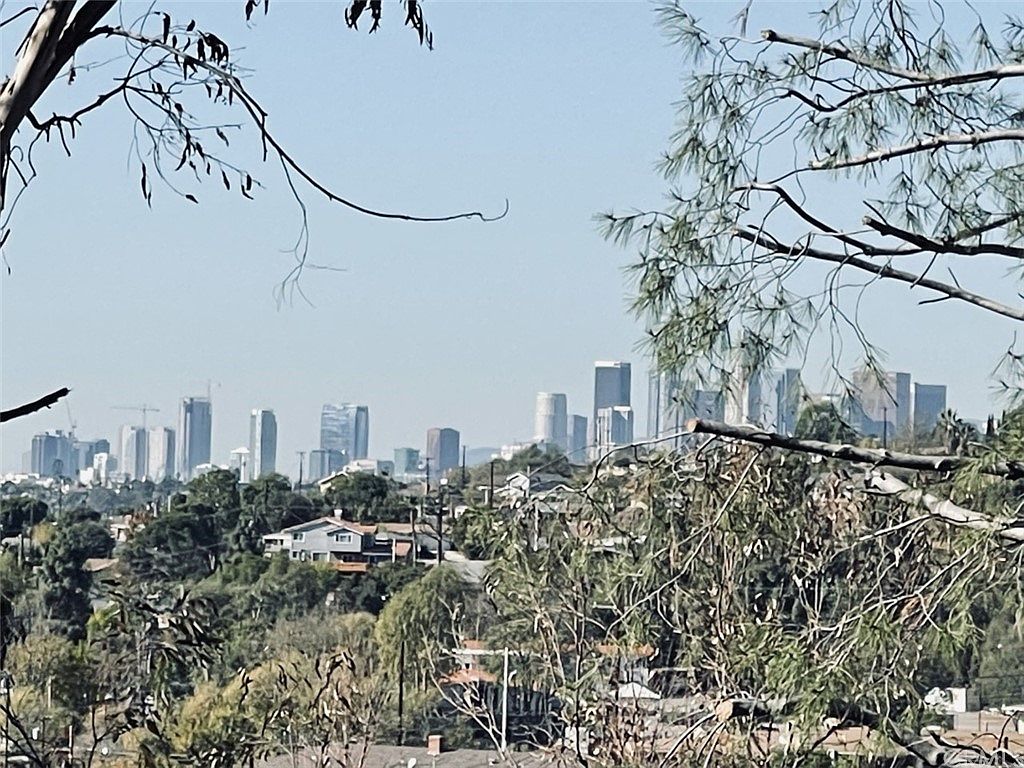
{"points": [[340, 543]]}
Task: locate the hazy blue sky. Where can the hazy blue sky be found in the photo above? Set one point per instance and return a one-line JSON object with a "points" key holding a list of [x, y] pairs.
{"points": [[563, 108]]}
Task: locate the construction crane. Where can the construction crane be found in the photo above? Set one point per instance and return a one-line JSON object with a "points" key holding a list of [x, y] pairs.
{"points": [[143, 408], [71, 420]]}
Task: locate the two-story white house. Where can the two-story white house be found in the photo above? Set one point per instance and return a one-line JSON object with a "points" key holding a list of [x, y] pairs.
{"points": [[337, 542]]}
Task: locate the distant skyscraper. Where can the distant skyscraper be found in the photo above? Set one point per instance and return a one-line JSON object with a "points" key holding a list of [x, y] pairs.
{"points": [[323, 463], [346, 428], [611, 385], [442, 450], [876, 401], [578, 439], [160, 447], [407, 461], [52, 455], [929, 403], [666, 413], [614, 427], [551, 420], [195, 428], [104, 465], [788, 392], [262, 442], [241, 462], [133, 458], [706, 404]]}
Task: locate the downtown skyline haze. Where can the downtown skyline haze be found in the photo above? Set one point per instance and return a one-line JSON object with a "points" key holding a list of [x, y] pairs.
{"points": [[562, 111]]}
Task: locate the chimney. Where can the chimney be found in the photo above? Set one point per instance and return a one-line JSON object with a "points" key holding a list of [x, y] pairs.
{"points": [[434, 745]]}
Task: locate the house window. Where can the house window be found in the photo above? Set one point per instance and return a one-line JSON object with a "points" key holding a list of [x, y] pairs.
{"points": [[345, 537], [317, 556], [298, 536]]}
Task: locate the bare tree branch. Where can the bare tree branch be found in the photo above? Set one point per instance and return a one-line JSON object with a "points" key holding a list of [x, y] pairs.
{"points": [[943, 246], [882, 270], [921, 145], [874, 456], [36, 405], [840, 52], [945, 509]]}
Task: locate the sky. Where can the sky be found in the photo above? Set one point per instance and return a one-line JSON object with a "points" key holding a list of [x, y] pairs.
{"points": [[560, 108]]}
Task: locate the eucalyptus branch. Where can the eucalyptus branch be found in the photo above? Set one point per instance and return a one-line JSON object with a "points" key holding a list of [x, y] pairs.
{"points": [[925, 243], [881, 270], [878, 457], [36, 405], [928, 144]]}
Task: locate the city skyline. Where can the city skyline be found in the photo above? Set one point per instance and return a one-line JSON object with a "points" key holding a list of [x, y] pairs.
{"points": [[771, 400]]}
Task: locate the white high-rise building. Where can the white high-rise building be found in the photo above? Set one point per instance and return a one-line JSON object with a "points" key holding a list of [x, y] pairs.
{"points": [[262, 442], [241, 462], [551, 420], [160, 445], [133, 458], [614, 428]]}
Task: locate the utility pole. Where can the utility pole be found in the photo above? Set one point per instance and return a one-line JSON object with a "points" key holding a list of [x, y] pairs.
{"points": [[885, 427], [428, 477], [504, 705], [302, 455], [463, 467], [401, 694], [490, 496]]}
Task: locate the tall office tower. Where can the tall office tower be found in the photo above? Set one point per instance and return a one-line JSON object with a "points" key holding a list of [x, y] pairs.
{"points": [[160, 446], [706, 404], [666, 406], [101, 446], [407, 461], [929, 403], [325, 462], [195, 428], [262, 442], [51, 455], [788, 393], [551, 420], [346, 428], [611, 385], [82, 452], [240, 462], [104, 465], [881, 400], [578, 439], [442, 450], [614, 428], [133, 458]]}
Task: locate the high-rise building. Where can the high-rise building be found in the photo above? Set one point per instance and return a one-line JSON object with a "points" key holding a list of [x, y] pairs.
{"points": [[614, 428], [578, 439], [407, 461], [666, 406], [929, 403], [611, 385], [881, 404], [240, 462], [160, 447], [262, 442], [104, 465], [195, 429], [442, 450], [325, 462], [345, 427], [788, 393], [133, 455], [551, 423], [52, 455]]}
